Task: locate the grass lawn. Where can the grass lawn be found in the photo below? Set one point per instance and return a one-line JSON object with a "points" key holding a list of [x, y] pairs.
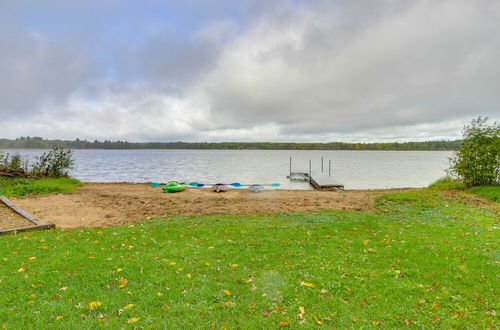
{"points": [[420, 259], [19, 187]]}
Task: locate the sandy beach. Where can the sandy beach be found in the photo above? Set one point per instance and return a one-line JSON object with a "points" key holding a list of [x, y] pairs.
{"points": [[108, 204]]}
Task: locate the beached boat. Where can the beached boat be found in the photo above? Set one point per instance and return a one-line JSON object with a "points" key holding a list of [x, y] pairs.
{"points": [[173, 186], [256, 188], [219, 187]]}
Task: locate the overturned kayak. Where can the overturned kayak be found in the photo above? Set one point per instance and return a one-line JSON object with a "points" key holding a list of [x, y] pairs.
{"points": [[173, 186], [256, 188], [219, 187]]}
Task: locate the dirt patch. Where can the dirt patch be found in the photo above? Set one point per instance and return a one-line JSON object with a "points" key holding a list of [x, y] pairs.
{"points": [[107, 204], [10, 219]]}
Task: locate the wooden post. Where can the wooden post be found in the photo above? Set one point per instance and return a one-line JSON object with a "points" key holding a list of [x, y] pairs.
{"points": [[321, 164], [329, 167], [290, 167], [309, 171]]}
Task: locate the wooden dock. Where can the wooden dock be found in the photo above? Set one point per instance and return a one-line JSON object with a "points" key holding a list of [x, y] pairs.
{"points": [[317, 180]]}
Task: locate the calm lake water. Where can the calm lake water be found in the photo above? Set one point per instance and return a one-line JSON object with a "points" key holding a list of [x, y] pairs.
{"points": [[355, 169]]}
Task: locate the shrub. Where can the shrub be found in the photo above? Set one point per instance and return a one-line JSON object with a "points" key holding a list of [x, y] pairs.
{"points": [[477, 162], [13, 162], [53, 164]]}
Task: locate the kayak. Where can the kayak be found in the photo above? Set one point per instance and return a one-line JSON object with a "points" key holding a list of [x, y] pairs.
{"points": [[256, 188], [219, 187], [173, 186]]}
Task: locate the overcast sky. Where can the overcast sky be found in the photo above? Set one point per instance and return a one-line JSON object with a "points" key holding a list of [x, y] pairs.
{"points": [[248, 70]]}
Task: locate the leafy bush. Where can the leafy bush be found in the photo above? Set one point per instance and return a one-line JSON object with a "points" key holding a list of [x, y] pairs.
{"points": [[477, 162], [53, 164]]}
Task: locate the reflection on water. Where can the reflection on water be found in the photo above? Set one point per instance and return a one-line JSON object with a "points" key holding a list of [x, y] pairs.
{"points": [[355, 169]]}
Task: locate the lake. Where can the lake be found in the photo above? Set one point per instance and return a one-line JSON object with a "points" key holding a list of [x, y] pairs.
{"points": [[355, 169]]}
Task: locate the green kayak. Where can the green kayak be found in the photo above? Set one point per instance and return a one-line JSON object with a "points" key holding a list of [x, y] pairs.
{"points": [[173, 186]]}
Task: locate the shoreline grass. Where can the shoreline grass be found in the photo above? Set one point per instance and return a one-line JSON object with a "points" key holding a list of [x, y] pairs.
{"points": [[422, 259], [20, 187]]}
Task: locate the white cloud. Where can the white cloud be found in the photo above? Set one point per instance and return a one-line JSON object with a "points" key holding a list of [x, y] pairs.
{"points": [[315, 71]]}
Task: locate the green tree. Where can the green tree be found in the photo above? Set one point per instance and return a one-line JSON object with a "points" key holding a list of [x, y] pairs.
{"points": [[477, 162]]}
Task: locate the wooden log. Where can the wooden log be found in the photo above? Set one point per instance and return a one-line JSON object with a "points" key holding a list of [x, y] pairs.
{"points": [[22, 212], [10, 173], [38, 227]]}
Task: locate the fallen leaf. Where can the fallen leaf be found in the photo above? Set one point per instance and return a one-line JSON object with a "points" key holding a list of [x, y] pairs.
{"points": [[365, 242], [207, 264], [211, 247], [227, 292], [94, 304], [22, 269], [129, 306], [63, 288], [133, 319], [173, 263], [44, 247], [228, 304], [188, 275], [164, 308], [59, 317], [31, 258], [284, 324], [371, 250], [233, 265], [308, 284]]}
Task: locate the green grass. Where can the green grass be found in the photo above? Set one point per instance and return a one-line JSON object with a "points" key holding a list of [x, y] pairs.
{"points": [[421, 259], [19, 187], [447, 183], [491, 192]]}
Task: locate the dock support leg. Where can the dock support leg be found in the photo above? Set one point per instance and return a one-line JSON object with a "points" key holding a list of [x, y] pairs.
{"points": [[330, 167]]}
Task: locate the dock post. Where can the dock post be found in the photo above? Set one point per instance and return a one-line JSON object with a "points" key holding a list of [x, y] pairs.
{"points": [[290, 167], [309, 171], [329, 167], [321, 164]]}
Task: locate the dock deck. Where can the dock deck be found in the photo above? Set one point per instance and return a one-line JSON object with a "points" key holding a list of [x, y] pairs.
{"points": [[319, 181]]}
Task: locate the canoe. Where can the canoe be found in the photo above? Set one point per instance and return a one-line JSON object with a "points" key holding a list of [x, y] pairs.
{"points": [[173, 186]]}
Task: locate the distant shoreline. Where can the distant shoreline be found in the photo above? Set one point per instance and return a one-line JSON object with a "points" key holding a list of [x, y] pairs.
{"points": [[41, 143]]}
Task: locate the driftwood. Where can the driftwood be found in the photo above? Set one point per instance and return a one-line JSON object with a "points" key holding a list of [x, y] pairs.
{"points": [[6, 172]]}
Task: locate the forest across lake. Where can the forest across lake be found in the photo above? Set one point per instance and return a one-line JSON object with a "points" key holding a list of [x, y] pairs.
{"points": [[41, 143]]}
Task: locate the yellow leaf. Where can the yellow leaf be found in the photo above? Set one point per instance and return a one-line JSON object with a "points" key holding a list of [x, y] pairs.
{"points": [[228, 304], [119, 270], [63, 288], [94, 304], [319, 322], [44, 247], [302, 309], [173, 263], [164, 308], [31, 258], [59, 317], [4, 325], [22, 269], [370, 250], [233, 265], [308, 284], [188, 275], [284, 324], [207, 264], [129, 306], [30, 302], [227, 292], [211, 247], [123, 282], [365, 242], [133, 319]]}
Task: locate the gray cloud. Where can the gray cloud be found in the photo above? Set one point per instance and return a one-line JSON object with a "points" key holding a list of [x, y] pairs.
{"points": [[303, 71]]}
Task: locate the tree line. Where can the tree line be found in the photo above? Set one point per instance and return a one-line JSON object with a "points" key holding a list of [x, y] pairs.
{"points": [[27, 142]]}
